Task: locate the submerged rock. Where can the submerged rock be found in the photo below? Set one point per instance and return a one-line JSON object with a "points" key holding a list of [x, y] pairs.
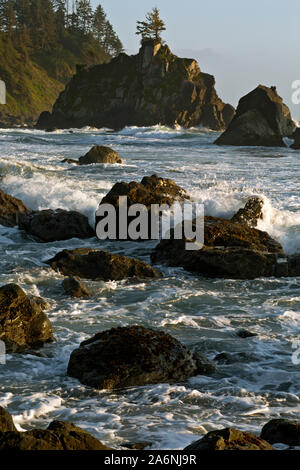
{"points": [[284, 431], [52, 225], [60, 435], [261, 119], [10, 209], [132, 356], [100, 154], [75, 287], [95, 264], [231, 250], [152, 87], [251, 213], [229, 439], [23, 324]]}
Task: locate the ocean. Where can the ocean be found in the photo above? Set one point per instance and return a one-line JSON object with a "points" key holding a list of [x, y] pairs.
{"points": [[260, 381]]}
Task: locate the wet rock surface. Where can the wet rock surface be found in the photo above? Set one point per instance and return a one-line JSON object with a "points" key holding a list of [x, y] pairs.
{"points": [[229, 439], [74, 287], [10, 209], [282, 431]]}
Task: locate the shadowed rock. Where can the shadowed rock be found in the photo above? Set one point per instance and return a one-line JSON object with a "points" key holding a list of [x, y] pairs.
{"points": [[23, 324], [94, 264], [251, 213], [261, 119], [6, 421], [75, 287], [284, 431], [134, 355], [229, 439], [296, 137], [52, 225], [10, 209]]}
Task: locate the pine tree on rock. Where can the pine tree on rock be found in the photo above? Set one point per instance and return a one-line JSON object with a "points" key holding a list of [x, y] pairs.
{"points": [[152, 27]]}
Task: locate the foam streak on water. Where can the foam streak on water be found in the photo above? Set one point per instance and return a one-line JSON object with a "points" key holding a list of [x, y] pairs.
{"points": [[259, 383]]}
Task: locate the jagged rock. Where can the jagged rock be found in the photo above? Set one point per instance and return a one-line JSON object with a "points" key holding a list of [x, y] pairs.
{"points": [[231, 250], [229, 439], [52, 225], [151, 190], [296, 137], [10, 209], [132, 356], [59, 435], [251, 213], [6, 421], [261, 119], [100, 154], [75, 287], [284, 431], [149, 88], [23, 324], [95, 264]]}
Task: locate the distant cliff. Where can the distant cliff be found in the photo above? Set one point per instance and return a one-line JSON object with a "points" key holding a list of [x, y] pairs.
{"points": [[152, 87]]}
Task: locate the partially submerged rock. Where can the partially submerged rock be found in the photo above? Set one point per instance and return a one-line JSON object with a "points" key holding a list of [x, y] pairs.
{"points": [[231, 250], [52, 225], [284, 431], [23, 324], [229, 439], [10, 209], [75, 287], [251, 213], [261, 119], [149, 88], [95, 264], [100, 154], [132, 356], [60, 435]]}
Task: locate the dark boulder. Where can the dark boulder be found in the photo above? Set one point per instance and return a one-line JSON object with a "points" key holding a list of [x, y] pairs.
{"points": [[75, 287], [10, 209], [6, 421], [132, 356], [95, 264], [58, 436], [296, 137], [284, 431], [149, 88], [229, 439], [294, 265], [243, 333], [52, 225], [251, 213], [100, 154], [261, 119], [23, 324], [231, 250]]}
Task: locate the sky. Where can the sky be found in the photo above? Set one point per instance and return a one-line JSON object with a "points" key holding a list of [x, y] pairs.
{"points": [[242, 43]]}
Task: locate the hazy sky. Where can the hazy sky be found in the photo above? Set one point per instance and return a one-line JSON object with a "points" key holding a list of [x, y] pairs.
{"points": [[241, 42]]}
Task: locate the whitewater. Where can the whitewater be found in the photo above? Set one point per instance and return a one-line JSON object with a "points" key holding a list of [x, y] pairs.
{"points": [[258, 382]]}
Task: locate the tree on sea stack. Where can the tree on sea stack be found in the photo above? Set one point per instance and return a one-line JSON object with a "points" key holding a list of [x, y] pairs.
{"points": [[152, 27]]}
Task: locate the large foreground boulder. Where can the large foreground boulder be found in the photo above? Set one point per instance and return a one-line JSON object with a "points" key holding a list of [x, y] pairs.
{"points": [[134, 355], [261, 119], [229, 439], [53, 225], [149, 88], [231, 250], [284, 431], [60, 435], [151, 190], [10, 209], [23, 324], [95, 264]]}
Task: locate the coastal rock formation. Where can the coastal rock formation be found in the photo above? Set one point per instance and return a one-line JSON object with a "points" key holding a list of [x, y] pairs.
{"points": [[6, 421], [60, 435], [284, 431], [151, 190], [23, 324], [231, 250], [132, 356], [229, 439], [152, 87], [294, 265], [261, 119], [52, 225], [296, 137], [10, 209], [251, 213], [95, 264], [75, 287], [100, 154]]}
